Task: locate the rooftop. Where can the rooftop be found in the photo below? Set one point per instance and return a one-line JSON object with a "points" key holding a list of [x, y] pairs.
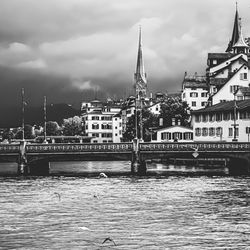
{"points": [[225, 106]]}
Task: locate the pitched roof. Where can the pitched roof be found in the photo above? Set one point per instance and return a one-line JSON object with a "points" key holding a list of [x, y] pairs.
{"points": [[194, 81], [244, 90], [224, 106]]}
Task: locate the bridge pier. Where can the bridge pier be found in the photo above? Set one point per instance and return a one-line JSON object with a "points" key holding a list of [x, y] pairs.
{"points": [[239, 166], [138, 166], [23, 168]]}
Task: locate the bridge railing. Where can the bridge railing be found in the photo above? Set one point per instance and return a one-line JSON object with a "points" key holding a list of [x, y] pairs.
{"points": [[227, 146], [98, 147], [9, 148]]}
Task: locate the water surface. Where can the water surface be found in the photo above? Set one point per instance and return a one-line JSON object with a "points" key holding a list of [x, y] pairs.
{"points": [[137, 213]]}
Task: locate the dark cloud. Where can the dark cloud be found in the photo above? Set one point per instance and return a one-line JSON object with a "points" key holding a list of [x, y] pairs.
{"points": [[70, 50]]}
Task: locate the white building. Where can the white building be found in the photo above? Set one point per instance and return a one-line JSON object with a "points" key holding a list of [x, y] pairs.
{"points": [[218, 122], [99, 123], [174, 134], [227, 78], [195, 91], [117, 128], [229, 71]]}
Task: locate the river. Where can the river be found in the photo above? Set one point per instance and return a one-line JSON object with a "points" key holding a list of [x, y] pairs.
{"points": [[154, 212]]}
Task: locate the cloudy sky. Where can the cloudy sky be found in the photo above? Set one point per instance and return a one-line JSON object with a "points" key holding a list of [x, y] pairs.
{"points": [[67, 49]]}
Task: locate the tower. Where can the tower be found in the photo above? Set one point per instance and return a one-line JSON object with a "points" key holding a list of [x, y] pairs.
{"points": [[240, 46], [140, 78], [235, 33]]}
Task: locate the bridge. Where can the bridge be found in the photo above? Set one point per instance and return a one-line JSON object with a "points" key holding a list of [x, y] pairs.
{"points": [[34, 158]]}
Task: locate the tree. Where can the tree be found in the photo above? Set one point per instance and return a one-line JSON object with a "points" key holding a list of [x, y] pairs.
{"points": [[72, 126], [149, 121], [28, 132], [175, 108], [52, 128], [7, 135]]}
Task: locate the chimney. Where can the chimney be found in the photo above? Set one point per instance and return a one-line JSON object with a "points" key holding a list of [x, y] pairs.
{"points": [[173, 121], [161, 122]]}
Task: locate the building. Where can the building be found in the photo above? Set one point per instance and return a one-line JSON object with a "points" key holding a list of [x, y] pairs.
{"points": [[175, 133], [194, 91], [99, 123], [229, 71], [225, 121]]}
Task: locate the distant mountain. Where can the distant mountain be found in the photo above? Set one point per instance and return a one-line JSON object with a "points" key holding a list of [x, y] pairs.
{"points": [[12, 116]]}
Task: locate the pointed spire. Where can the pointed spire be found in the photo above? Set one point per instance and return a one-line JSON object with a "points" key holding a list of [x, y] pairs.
{"points": [[241, 41], [140, 71], [236, 31], [140, 75]]}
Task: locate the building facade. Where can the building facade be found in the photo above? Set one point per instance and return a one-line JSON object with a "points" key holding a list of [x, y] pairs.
{"points": [[99, 123], [229, 71], [195, 91], [225, 121]]}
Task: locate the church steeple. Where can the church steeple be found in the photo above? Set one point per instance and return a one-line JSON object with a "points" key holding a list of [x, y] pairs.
{"points": [[140, 75], [236, 32], [240, 46]]}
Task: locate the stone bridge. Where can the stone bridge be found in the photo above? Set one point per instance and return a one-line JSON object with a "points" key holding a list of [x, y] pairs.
{"points": [[33, 158]]}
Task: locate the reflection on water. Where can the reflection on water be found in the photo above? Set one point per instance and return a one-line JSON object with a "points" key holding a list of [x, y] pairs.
{"points": [[124, 168], [137, 213]]}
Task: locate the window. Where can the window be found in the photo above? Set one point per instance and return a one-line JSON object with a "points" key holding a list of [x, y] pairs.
{"points": [[198, 132], [204, 118], [95, 134], [204, 94], [243, 76], [237, 131], [166, 136], [211, 132], [183, 95], [106, 135], [226, 116], [106, 118], [193, 104], [95, 118], [247, 130], [177, 136], [203, 104], [211, 117], [193, 94], [218, 117], [204, 131], [197, 118], [188, 136], [233, 88], [106, 126], [219, 131], [95, 126], [214, 61], [230, 132]]}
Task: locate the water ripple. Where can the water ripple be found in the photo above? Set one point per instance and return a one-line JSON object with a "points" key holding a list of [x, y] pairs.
{"points": [[137, 213]]}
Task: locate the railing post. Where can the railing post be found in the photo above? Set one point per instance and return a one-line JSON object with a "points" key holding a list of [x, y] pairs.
{"points": [[138, 167], [23, 168]]}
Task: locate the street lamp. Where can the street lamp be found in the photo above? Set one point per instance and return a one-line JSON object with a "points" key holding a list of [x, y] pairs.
{"points": [[235, 118]]}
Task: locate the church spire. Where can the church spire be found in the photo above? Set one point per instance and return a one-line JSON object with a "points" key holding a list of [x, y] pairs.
{"points": [[240, 46], [236, 31], [140, 75]]}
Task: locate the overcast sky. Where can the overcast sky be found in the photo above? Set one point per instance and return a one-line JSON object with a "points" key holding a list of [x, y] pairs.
{"points": [[66, 49]]}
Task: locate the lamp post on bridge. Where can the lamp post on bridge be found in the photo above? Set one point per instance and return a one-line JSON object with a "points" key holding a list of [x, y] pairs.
{"points": [[45, 118], [235, 118]]}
